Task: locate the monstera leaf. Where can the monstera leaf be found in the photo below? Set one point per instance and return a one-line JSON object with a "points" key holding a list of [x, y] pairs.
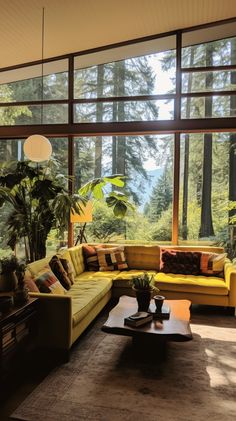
{"points": [[120, 204], [95, 187]]}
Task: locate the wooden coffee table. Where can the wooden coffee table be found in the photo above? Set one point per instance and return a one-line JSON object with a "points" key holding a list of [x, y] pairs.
{"points": [[156, 333]]}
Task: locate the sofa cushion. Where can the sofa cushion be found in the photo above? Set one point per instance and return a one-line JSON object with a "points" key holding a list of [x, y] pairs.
{"points": [[212, 263], [146, 257], [59, 271], [90, 257], [47, 282], [30, 283], [85, 295], [68, 268], [38, 265], [191, 283], [181, 262], [124, 278], [111, 274], [76, 254], [112, 258]]}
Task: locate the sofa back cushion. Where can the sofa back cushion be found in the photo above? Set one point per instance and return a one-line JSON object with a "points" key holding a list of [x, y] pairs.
{"points": [[38, 265], [76, 254], [146, 257]]}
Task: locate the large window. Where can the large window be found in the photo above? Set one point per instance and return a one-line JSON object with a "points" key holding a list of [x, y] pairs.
{"points": [[147, 163], [207, 184], [123, 109]]}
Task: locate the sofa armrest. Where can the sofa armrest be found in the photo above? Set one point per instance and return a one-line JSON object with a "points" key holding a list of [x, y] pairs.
{"points": [[55, 320], [230, 280]]}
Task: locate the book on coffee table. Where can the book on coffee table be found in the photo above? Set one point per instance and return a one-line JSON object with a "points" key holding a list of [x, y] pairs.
{"points": [[138, 319]]}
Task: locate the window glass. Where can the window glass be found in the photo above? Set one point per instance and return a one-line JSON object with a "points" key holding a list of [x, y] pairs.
{"points": [[27, 84], [207, 183], [208, 107], [147, 162], [139, 69], [215, 53], [209, 81], [34, 114], [124, 111]]}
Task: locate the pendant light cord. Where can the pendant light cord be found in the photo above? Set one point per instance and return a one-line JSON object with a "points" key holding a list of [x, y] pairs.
{"points": [[42, 93]]}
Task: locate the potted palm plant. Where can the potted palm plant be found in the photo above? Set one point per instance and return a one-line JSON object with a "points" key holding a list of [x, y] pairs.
{"points": [[144, 288], [40, 201]]}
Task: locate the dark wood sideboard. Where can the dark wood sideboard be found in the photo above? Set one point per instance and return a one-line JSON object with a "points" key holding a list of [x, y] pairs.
{"points": [[18, 330]]}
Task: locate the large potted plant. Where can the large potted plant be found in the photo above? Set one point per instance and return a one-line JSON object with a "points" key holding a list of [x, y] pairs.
{"points": [[39, 201]]}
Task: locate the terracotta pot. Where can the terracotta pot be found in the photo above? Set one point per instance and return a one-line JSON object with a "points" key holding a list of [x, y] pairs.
{"points": [[143, 297]]}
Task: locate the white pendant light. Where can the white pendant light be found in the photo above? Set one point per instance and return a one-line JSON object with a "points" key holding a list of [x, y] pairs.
{"points": [[37, 148]]}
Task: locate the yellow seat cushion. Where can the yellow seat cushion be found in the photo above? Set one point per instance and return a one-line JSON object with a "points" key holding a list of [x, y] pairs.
{"points": [[85, 295], [191, 283], [123, 279], [97, 275]]}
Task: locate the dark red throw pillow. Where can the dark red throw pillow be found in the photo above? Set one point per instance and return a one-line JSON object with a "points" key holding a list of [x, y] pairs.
{"points": [[90, 258], [182, 262]]}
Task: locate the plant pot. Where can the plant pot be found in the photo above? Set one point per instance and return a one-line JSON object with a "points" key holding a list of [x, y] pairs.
{"points": [[143, 297], [8, 282], [21, 296]]}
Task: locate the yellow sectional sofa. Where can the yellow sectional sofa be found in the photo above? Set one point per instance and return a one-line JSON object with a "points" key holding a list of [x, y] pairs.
{"points": [[64, 317]]}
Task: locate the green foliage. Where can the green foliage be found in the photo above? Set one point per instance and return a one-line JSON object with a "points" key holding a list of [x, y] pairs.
{"points": [[39, 201], [162, 230], [105, 227], [143, 281]]}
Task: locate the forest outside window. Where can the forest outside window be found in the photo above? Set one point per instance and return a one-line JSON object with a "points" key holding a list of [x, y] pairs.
{"points": [[147, 162]]}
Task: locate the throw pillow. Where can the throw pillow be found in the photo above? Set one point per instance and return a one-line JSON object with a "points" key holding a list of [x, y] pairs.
{"points": [[58, 270], [47, 282], [182, 262], [112, 258], [68, 268], [30, 284], [90, 257], [212, 263]]}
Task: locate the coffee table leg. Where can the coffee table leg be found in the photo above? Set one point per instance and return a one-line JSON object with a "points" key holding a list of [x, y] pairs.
{"points": [[150, 349]]}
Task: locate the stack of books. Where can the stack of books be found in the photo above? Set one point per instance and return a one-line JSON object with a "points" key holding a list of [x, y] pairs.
{"points": [[138, 319]]}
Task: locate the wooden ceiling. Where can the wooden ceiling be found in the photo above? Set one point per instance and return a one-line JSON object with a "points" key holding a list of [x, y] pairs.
{"points": [[76, 25]]}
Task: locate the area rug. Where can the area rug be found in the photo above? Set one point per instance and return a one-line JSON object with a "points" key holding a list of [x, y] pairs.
{"points": [[104, 382]]}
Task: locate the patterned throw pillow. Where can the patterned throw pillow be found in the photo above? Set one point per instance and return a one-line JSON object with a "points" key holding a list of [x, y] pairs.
{"points": [[47, 282], [212, 263], [112, 258], [58, 270], [182, 262], [90, 257]]}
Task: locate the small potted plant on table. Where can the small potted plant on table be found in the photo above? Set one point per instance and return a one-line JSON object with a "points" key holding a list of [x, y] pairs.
{"points": [[144, 289]]}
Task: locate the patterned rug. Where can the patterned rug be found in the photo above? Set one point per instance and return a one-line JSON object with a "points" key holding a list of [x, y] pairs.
{"points": [[104, 382]]}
